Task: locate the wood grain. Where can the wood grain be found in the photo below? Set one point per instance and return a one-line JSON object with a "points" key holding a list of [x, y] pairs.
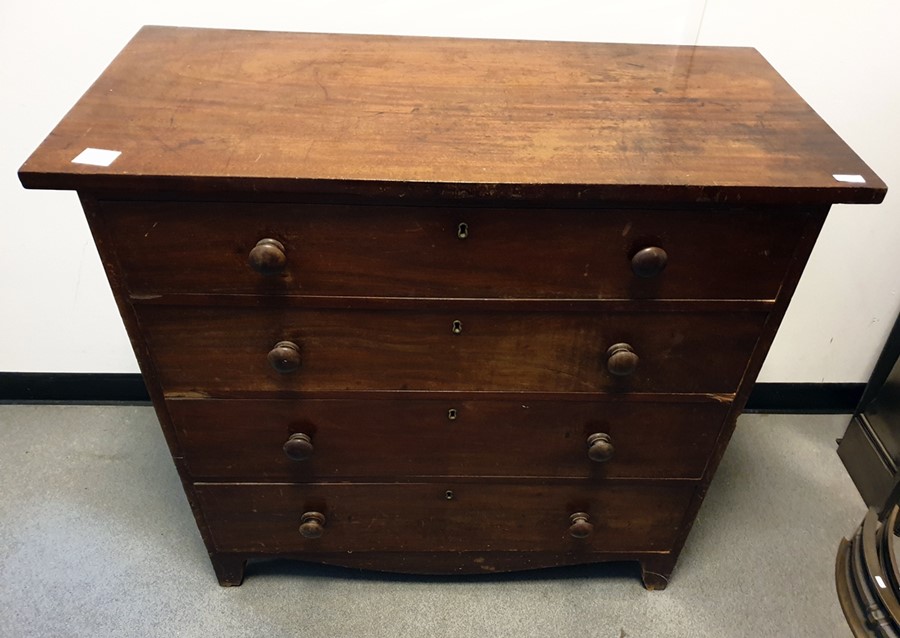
{"points": [[415, 252], [402, 440], [405, 186], [655, 566], [447, 119], [420, 517], [223, 351]]}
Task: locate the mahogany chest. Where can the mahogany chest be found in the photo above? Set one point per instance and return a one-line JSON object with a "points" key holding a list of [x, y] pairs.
{"points": [[447, 306]]}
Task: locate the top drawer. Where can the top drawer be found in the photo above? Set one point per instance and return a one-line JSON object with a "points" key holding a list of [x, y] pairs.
{"points": [[175, 247]]}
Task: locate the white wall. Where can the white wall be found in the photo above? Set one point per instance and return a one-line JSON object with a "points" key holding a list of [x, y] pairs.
{"points": [[57, 314]]}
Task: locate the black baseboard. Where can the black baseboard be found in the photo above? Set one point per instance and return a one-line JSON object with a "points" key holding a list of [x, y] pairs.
{"points": [[805, 398], [92, 388], [72, 387]]}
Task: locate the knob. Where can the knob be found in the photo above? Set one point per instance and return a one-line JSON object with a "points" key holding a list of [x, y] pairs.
{"points": [[298, 447], [267, 257], [621, 360], [649, 262], [284, 357], [580, 528], [312, 524], [600, 447]]}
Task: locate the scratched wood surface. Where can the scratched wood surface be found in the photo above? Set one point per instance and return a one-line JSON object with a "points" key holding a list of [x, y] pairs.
{"points": [[222, 352], [414, 517], [355, 250], [228, 137], [451, 119], [243, 439]]}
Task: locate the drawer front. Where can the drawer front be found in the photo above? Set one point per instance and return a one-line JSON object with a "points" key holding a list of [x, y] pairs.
{"points": [[382, 439], [440, 517], [221, 351], [410, 252]]}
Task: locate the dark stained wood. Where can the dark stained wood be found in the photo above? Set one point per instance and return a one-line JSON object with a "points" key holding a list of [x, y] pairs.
{"points": [[406, 438], [449, 119], [406, 263], [419, 516], [284, 357], [656, 570], [621, 360], [581, 526], [649, 398], [600, 447], [298, 447], [410, 251], [229, 568], [436, 303], [454, 563], [649, 262], [367, 350], [267, 257], [312, 525]]}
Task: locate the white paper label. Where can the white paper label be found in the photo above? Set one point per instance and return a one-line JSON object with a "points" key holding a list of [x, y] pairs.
{"points": [[96, 157], [880, 582], [853, 179]]}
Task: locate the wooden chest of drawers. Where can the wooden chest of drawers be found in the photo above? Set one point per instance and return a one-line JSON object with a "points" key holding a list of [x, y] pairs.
{"points": [[447, 306]]}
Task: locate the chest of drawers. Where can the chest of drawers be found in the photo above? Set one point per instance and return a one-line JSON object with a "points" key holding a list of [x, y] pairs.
{"points": [[447, 306]]}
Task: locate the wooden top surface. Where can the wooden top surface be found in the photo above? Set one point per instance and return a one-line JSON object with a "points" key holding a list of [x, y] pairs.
{"points": [[376, 116]]}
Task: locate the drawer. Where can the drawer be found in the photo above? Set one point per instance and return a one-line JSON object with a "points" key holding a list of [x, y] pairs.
{"points": [[167, 247], [441, 517], [403, 439], [222, 351]]}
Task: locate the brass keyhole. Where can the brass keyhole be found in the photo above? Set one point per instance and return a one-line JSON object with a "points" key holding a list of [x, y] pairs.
{"points": [[449, 495], [451, 414], [462, 231], [456, 327]]}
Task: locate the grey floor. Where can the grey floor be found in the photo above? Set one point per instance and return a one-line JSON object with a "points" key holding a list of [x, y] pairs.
{"points": [[96, 539]]}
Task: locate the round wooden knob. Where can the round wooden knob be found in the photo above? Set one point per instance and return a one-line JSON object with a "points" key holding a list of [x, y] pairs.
{"points": [[649, 262], [600, 447], [298, 447], [267, 257], [312, 524], [621, 360], [580, 528], [284, 357]]}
